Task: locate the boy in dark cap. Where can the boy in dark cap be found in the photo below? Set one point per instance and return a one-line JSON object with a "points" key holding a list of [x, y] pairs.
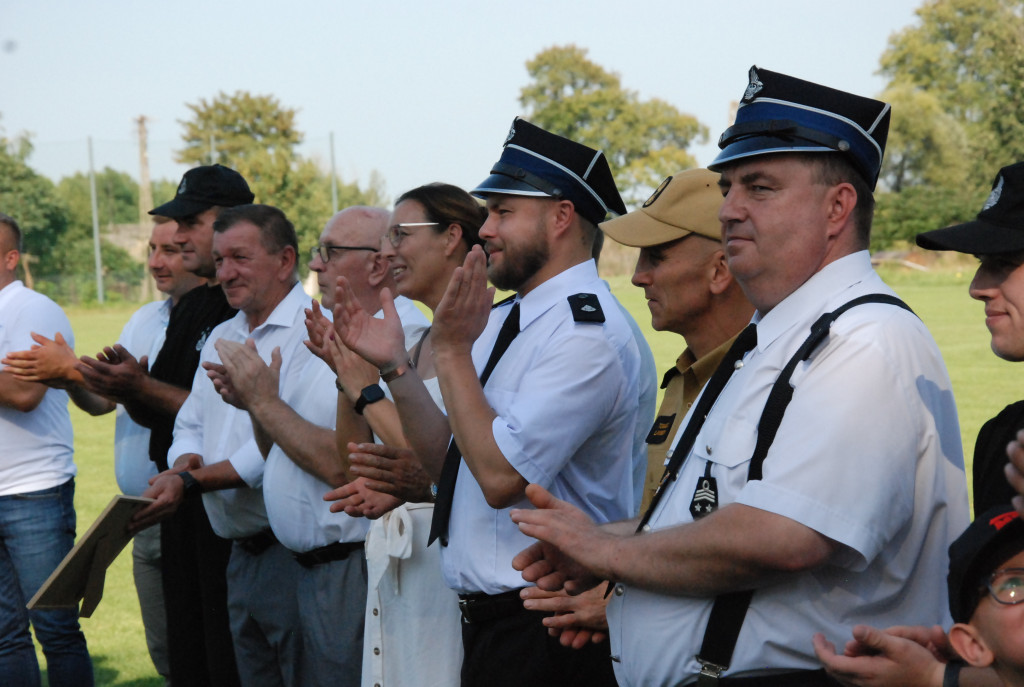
{"points": [[996, 237], [818, 477], [986, 589], [558, 410]]}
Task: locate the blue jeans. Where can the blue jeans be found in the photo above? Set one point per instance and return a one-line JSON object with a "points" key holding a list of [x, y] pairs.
{"points": [[37, 529]]}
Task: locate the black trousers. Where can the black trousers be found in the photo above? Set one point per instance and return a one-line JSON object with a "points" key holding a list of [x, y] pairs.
{"points": [[195, 593], [515, 650]]}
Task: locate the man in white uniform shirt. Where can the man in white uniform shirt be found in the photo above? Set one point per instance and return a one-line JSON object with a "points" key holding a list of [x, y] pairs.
{"points": [[215, 452], [862, 489], [303, 461], [559, 409]]}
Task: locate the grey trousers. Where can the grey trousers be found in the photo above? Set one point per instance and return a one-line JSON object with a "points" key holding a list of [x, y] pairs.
{"points": [[265, 622], [150, 588]]}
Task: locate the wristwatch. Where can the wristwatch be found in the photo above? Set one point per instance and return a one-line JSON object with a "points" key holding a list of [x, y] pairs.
{"points": [[369, 394], [192, 485]]}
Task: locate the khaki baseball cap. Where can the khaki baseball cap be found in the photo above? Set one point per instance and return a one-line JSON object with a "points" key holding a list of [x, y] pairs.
{"points": [[685, 203]]}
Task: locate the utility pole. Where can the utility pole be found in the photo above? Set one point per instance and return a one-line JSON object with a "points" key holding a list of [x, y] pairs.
{"points": [[334, 179], [95, 228], [145, 203]]}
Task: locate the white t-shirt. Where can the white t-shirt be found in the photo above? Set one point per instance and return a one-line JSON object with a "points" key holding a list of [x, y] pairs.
{"points": [[36, 449]]}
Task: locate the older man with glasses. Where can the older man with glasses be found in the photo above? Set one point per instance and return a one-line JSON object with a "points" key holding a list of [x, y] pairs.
{"points": [[302, 458]]}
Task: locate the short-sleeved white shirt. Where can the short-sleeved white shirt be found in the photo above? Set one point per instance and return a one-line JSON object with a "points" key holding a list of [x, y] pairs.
{"points": [[868, 454], [565, 394], [35, 447]]}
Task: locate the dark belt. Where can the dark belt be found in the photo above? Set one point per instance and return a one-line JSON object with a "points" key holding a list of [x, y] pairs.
{"points": [[257, 543], [482, 608], [337, 551], [796, 678]]}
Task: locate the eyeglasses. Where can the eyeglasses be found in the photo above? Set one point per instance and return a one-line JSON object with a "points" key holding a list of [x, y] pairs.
{"points": [[324, 250], [396, 232], [1007, 586]]}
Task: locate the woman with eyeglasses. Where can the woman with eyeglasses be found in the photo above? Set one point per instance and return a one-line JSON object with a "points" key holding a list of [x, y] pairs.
{"points": [[413, 633]]}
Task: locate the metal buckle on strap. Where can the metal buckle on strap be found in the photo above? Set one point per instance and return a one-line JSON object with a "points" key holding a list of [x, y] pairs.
{"points": [[464, 605], [710, 673]]}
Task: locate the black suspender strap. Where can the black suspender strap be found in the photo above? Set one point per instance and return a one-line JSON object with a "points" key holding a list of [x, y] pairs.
{"points": [[730, 609], [453, 458]]}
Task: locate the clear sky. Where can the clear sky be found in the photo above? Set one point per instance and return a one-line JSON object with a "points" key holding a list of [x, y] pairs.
{"points": [[418, 91]]}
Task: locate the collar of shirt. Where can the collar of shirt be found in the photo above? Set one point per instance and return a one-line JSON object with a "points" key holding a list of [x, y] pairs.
{"points": [[814, 295], [554, 290], [284, 314]]}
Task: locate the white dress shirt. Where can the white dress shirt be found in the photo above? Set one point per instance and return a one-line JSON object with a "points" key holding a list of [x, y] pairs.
{"points": [[218, 431]]}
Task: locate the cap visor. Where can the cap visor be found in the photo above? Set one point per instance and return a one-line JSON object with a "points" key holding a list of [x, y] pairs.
{"points": [[977, 237], [641, 230], [500, 183], [180, 207], [761, 145]]}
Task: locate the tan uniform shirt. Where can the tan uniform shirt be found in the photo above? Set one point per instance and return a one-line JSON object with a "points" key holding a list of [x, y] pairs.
{"points": [[682, 384]]}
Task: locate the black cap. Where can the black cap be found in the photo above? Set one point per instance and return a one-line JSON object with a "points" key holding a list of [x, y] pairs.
{"points": [[539, 163], [992, 539], [998, 228], [783, 114], [203, 187]]}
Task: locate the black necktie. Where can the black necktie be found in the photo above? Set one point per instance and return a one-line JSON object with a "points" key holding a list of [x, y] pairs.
{"points": [[743, 343], [450, 471]]}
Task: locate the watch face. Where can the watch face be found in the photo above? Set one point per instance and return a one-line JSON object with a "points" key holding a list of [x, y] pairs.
{"points": [[372, 393]]}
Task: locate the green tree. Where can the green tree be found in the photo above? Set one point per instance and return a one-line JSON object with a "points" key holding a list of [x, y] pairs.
{"points": [[926, 145], [899, 217], [31, 199], [256, 135], [969, 55], [117, 200], [644, 140]]}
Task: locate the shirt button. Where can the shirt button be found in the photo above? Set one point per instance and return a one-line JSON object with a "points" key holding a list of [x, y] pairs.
{"points": [[619, 591], [646, 528], [376, 612], [376, 651], [737, 365], [708, 449]]}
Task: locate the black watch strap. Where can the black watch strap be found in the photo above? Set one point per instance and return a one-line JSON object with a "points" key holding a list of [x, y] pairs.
{"points": [[369, 394], [951, 675], [192, 485]]}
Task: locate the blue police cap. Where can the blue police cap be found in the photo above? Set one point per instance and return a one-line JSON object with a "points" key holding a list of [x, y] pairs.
{"points": [[783, 114], [539, 163]]}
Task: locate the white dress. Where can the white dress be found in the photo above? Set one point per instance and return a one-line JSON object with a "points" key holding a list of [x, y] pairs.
{"points": [[413, 630]]}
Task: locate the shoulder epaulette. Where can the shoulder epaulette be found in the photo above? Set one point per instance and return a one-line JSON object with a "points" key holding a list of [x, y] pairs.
{"points": [[586, 308]]}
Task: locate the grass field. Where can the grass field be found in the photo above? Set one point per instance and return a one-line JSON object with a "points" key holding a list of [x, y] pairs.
{"points": [[982, 384]]}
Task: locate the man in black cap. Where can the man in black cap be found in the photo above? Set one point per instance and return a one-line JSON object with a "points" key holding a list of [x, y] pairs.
{"points": [[195, 559], [559, 408], [819, 477]]}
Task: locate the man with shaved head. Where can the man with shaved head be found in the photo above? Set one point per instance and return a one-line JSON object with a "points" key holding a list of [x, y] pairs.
{"points": [[302, 457]]}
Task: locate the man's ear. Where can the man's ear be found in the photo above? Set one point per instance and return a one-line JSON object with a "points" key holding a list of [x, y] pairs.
{"points": [[841, 199], [378, 269], [720, 276], [968, 642]]}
